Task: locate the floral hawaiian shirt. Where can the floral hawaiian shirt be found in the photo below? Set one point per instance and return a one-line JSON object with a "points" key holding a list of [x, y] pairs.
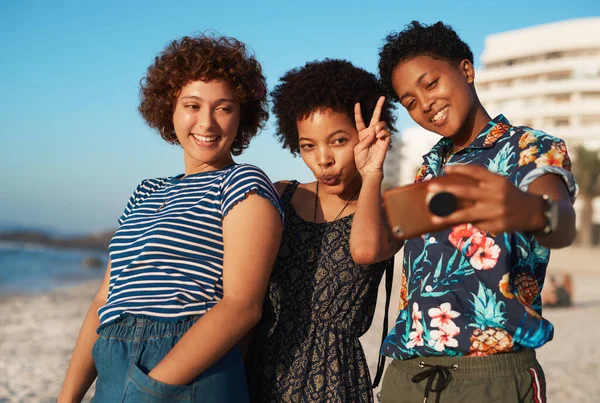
{"points": [[468, 292]]}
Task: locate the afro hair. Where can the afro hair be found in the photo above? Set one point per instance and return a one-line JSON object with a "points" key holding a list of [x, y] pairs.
{"points": [[331, 84]]}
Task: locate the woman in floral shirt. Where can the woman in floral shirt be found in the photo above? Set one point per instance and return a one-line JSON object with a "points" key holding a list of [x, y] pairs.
{"points": [[470, 314]]}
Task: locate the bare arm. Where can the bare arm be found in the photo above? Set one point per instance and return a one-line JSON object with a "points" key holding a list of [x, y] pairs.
{"points": [[251, 237], [565, 232], [499, 206], [82, 371], [246, 341], [370, 238]]}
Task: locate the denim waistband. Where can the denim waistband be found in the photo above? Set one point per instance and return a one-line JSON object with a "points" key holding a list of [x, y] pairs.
{"points": [[130, 327]]}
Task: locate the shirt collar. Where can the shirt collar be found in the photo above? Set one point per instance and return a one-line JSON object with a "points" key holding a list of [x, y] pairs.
{"points": [[488, 136]]}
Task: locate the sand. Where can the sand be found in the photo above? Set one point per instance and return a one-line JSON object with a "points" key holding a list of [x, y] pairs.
{"points": [[37, 335]]}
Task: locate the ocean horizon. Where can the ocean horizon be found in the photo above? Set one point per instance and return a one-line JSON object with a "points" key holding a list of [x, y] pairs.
{"points": [[34, 268]]}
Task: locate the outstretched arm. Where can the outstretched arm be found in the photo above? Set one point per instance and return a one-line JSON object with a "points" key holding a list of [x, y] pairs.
{"points": [[499, 206], [370, 238]]}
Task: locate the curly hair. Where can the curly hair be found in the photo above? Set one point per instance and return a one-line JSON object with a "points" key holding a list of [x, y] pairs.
{"points": [[321, 85], [438, 41], [204, 58]]}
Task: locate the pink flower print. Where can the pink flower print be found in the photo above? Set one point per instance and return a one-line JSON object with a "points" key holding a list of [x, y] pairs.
{"points": [[486, 255], [463, 233], [416, 317], [445, 337], [442, 316], [416, 338]]}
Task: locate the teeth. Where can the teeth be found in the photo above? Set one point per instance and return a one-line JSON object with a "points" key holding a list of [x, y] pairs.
{"points": [[438, 115], [204, 138]]}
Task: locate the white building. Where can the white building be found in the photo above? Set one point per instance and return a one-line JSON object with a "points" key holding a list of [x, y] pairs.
{"points": [[546, 77]]}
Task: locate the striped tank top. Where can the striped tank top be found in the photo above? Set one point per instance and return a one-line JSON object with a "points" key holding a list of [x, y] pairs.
{"points": [[167, 255]]}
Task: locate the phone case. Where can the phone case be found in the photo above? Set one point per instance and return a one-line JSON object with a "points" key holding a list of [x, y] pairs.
{"points": [[407, 208]]}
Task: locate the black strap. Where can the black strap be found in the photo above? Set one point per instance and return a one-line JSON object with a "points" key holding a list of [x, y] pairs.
{"points": [[389, 279]]}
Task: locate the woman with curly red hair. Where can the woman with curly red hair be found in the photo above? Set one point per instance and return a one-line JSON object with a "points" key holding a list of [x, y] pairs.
{"points": [[190, 262]]}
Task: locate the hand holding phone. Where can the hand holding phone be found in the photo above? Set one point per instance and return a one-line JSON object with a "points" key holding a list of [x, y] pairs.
{"points": [[409, 209]]}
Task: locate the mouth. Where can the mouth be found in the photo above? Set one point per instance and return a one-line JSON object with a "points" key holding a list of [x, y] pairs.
{"points": [[330, 180], [440, 116], [206, 140]]}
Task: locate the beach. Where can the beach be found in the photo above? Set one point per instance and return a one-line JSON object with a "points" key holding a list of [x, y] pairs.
{"points": [[38, 332]]}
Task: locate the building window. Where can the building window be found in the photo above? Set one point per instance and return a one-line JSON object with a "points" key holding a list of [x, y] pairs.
{"points": [[554, 55], [595, 95], [557, 122], [562, 75], [559, 98], [590, 120]]}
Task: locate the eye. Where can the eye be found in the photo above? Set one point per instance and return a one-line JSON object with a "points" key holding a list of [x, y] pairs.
{"points": [[339, 141], [192, 106], [432, 84], [225, 109], [409, 106], [306, 146]]}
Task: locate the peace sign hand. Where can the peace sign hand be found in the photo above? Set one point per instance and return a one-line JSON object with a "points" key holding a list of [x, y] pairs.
{"points": [[373, 142]]}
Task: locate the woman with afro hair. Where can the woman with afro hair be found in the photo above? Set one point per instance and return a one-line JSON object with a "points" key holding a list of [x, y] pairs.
{"points": [[306, 347], [190, 262]]}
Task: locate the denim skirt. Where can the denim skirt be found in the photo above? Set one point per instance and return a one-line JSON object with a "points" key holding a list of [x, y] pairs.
{"points": [[128, 348]]}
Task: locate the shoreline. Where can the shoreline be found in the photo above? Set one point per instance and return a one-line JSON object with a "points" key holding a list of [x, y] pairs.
{"points": [[38, 333]]}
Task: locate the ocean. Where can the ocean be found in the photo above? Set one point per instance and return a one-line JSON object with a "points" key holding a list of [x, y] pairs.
{"points": [[30, 268]]}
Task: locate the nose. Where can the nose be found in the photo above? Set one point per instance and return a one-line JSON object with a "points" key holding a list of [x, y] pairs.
{"points": [[426, 101], [205, 119], [325, 157]]}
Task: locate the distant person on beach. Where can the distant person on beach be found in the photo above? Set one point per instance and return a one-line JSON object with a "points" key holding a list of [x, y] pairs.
{"points": [[470, 314], [558, 294], [190, 262], [320, 301]]}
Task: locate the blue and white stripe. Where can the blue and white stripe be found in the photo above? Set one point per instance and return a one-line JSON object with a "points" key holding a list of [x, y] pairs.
{"points": [[167, 255]]}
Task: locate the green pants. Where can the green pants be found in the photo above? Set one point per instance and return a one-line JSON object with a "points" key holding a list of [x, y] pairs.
{"points": [[511, 378]]}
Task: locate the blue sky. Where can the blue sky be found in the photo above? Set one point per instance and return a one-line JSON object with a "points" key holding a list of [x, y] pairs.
{"points": [[72, 145]]}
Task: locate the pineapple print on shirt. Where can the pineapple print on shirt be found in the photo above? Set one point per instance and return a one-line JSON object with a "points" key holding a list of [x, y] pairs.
{"points": [[468, 292]]}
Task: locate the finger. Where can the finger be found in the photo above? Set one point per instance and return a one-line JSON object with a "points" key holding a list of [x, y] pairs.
{"points": [[366, 141], [472, 214], [360, 123], [384, 134], [474, 171], [366, 132], [380, 126], [460, 191], [377, 111]]}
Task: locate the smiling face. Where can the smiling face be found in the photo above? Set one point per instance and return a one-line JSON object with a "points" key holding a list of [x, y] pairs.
{"points": [[438, 94], [327, 141], [206, 120]]}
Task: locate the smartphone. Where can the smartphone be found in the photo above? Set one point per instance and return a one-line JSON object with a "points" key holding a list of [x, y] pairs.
{"points": [[409, 208]]}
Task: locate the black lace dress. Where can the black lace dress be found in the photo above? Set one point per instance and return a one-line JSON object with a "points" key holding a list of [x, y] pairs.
{"points": [[306, 347]]}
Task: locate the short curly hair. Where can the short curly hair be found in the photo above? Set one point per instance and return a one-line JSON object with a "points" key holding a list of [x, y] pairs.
{"points": [[321, 85], [438, 41], [205, 58]]}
